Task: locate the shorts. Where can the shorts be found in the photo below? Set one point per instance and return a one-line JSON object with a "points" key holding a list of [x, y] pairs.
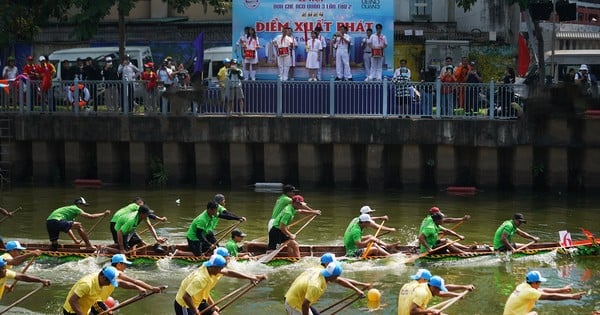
{"points": [[98, 308], [503, 248], [180, 310], [357, 253], [198, 247], [236, 93], [292, 311], [131, 240], [276, 237], [67, 313], [54, 228]]}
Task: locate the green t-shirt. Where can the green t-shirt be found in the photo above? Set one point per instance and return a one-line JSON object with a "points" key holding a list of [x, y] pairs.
{"points": [[351, 224], [232, 247], [286, 216], [215, 219], [283, 201], [132, 207], [202, 222], [353, 234], [127, 223], [507, 227], [431, 231], [428, 220], [67, 213]]}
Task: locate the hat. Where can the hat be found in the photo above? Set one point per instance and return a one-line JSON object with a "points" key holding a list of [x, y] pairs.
{"points": [[10, 58], [298, 199], [421, 274], [13, 245], [290, 188], [434, 210], [42, 58], [237, 232], [29, 57], [221, 251], [327, 258], [519, 217], [169, 58], [366, 210], [364, 218], [535, 276], [333, 269], [111, 273], [216, 261], [108, 59], [233, 60], [149, 65], [438, 282], [583, 67], [219, 197], [2, 262], [120, 258], [82, 201], [143, 209], [226, 60]]}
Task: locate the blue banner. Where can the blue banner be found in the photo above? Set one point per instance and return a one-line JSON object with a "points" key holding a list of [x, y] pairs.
{"points": [[269, 17]]}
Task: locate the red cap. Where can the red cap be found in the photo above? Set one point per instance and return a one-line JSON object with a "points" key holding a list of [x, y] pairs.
{"points": [[29, 57], [298, 199], [434, 210]]}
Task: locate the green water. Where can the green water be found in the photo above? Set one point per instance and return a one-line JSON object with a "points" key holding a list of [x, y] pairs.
{"points": [[494, 277]]}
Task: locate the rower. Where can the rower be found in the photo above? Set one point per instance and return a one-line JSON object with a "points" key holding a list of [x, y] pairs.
{"points": [[504, 234], [61, 220], [285, 199], [328, 258], [120, 262], [428, 236], [89, 289], [6, 274], [237, 237], [280, 232], [222, 212], [310, 285], [193, 295], [127, 237], [446, 219], [200, 236], [368, 210], [132, 207], [14, 254], [355, 243]]}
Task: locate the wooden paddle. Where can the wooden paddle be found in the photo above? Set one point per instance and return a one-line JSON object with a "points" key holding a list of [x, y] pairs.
{"points": [[21, 299], [230, 228], [523, 247], [453, 227], [265, 259], [346, 305], [147, 228], [212, 246], [412, 259], [236, 294], [12, 213], [248, 288], [366, 252], [137, 249], [127, 302], [444, 305], [91, 230], [23, 271], [340, 301]]}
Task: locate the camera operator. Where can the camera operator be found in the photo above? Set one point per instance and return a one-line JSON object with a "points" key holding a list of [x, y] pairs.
{"points": [[235, 76], [585, 80]]}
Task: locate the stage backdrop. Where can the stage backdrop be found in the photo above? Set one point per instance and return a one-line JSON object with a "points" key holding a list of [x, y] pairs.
{"points": [[269, 17]]}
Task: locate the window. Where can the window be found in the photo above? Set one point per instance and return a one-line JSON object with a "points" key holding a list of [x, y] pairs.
{"points": [[420, 9]]}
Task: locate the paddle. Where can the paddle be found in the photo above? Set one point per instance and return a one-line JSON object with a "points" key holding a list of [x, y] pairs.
{"points": [[265, 259], [453, 227], [23, 271], [138, 249], [230, 228], [127, 302], [20, 300], [347, 304], [11, 214], [449, 302], [147, 228], [250, 287], [523, 247], [412, 259], [366, 252], [239, 292], [91, 230], [340, 301]]}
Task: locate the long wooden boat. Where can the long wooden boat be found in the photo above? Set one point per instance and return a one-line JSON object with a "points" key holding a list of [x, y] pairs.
{"points": [[149, 255]]}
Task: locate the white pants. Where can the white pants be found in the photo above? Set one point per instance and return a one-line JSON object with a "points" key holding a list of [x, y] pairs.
{"points": [[342, 63], [376, 68], [292, 311], [284, 64], [367, 63]]}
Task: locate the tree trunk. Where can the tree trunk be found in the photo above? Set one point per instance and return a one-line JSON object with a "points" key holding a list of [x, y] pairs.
{"points": [[541, 62]]}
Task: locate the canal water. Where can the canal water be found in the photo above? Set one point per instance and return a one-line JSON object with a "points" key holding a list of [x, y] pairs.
{"points": [[494, 277]]}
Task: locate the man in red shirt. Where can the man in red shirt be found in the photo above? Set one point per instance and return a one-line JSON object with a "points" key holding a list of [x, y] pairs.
{"points": [[46, 71], [30, 71]]}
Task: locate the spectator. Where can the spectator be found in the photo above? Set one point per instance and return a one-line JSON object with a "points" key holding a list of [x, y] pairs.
{"points": [[111, 92], [65, 71], [405, 93], [403, 69], [10, 73], [91, 73], [321, 38], [46, 72], [79, 96], [30, 71], [182, 76], [472, 97], [235, 76], [585, 80], [149, 77], [77, 69], [507, 92], [428, 77], [448, 87], [165, 77], [128, 73], [461, 73], [222, 76], [448, 64]]}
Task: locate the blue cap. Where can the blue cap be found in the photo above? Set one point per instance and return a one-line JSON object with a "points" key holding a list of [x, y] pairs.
{"points": [[334, 269], [421, 274], [438, 282], [120, 258], [327, 258], [111, 273], [216, 261], [2, 262], [226, 60], [535, 276], [13, 245], [221, 251]]}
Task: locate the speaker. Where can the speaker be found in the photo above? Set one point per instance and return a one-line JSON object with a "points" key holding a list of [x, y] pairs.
{"points": [[540, 10], [566, 11]]}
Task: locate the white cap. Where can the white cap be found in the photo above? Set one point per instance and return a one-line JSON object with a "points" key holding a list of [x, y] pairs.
{"points": [[108, 59], [366, 210], [583, 67], [364, 218], [42, 58]]}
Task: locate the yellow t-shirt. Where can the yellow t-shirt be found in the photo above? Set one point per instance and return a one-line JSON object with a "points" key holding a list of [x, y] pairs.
{"points": [[309, 285], [221, 75], [107, 290], [9, 275], [88, 290], [404, 297], [7, 257], [198, 285], [522, 300]]}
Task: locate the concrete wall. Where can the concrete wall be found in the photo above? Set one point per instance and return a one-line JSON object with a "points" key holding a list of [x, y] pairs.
{"points": [[353, 152]]}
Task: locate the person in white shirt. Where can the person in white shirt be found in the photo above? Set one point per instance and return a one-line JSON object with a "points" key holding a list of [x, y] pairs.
{"points": [[342, 43], [251, 54], [10, 73], [378, 43], [282, 45], [313, 56], [293, 53], [366, 47], [321, 38], [240, 46], [128, 72]]}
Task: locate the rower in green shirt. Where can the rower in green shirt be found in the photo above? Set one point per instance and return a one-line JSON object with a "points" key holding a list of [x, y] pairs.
{"points": [[130, 208], [504, 234], [61, 220], [446, 219], [222, 212], [126, 225], [232, 245], [200, 236], [285, 199], [355, 243], [428, 236]]}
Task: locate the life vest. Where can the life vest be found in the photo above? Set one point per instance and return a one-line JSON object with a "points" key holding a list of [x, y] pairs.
{"points": [[82, 100]]}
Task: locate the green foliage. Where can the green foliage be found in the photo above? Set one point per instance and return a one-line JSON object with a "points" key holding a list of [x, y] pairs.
{"points": [[465, 4], [22, 20], [159, 174], [537, 169], [493, 60], [590, 250]]}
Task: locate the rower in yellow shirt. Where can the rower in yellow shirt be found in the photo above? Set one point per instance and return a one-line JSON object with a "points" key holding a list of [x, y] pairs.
{"points": [[6, 274]]}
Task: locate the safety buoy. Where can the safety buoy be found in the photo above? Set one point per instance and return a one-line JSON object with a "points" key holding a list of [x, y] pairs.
{"points": [[95, 183], [462, 189]]}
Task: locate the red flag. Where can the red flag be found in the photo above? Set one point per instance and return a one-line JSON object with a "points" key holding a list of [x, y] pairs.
{"points": [[523, 58]]}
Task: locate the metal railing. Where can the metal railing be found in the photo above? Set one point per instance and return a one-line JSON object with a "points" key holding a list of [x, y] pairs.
{"points": [[322, 98]]}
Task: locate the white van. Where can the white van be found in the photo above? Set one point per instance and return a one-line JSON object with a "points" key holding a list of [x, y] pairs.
{"points": [[213, 61], [138, 56], [562, 61]]}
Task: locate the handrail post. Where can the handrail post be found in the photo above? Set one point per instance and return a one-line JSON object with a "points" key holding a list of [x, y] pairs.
{"points": [[22, 96], [384, 103], [492, 105], [331, 97], [125, 96], [30, 96], [279, 98], [438, 98]]}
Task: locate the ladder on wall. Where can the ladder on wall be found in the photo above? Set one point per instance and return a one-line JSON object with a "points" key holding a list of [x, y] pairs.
{"points": [[6, 138]]}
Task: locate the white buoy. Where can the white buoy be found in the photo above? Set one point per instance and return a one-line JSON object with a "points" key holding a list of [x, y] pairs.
{"points": [[269, 185]]}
